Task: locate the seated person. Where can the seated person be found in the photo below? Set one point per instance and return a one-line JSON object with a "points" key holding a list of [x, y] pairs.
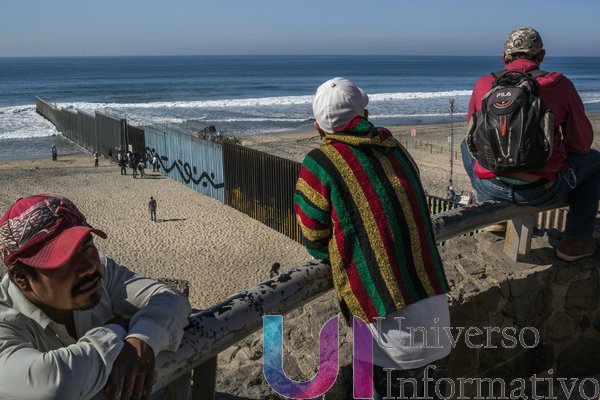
{"points": [[572, 170]]}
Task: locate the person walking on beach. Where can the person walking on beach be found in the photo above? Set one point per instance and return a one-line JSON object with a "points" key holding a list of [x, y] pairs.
{"points": [[152, 209], [123, 165], [133, 165], [572, 170], [96, 159], [72, 321], [362, 208], [140, 167], [54, 153]]}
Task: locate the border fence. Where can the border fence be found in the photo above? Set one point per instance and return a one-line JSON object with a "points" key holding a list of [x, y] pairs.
{"points": [[253, 182], [100, 132], [194, 162], [262, 186]]}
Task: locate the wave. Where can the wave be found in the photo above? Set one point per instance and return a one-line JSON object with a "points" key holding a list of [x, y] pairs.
{"points": [[256, 102], [16, 109], [415, 115], [418, 95]]}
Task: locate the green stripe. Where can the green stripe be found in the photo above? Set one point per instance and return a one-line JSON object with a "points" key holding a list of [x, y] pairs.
{"points": [[357, 255], [313, 166], [318, 254], [422, 204], [386, 203], [311, 210]]}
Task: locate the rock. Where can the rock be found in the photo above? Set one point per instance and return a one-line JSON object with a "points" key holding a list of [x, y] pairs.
{"points": [[561, 326], [580, 358], [583, 294]]}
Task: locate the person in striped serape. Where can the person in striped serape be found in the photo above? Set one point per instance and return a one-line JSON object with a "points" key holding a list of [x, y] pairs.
{"points": [[362, 208]]}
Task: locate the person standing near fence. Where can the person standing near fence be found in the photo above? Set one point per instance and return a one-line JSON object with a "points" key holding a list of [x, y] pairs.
{"points": [[140, 167], [96, 156], [362, 208], [133, 165], [152, 209], [122, 164]]}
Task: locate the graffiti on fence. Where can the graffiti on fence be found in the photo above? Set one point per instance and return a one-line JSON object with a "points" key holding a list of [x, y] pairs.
{"points": [[186, 171]]}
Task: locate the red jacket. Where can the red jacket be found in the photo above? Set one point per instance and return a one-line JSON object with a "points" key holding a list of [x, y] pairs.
{"points": [[572, 129]]}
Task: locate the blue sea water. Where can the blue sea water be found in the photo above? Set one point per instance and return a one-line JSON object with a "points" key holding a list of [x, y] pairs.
{"points": [[242, 95]]}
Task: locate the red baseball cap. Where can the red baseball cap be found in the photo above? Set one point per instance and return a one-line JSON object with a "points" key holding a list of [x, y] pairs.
{"points": [[42, 231]]}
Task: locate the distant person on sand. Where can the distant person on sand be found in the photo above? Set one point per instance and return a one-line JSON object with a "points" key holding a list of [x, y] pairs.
{"points": [[72, 321], [140, 167], [130, 161], [123, 165], [451, 193], [362, 208], [133, 165], [152, 209], [96, 159], [572, 169], [154, 163], [54, 153]]}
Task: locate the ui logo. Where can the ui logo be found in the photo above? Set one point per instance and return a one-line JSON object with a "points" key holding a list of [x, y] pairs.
{"points": [[362, 360]]}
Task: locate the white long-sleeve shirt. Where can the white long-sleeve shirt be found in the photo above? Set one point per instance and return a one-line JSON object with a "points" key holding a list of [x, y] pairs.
{"points": [[40, 360]]}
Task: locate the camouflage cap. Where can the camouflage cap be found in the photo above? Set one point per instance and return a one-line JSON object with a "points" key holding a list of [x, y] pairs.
{"points": [[524, 40]]}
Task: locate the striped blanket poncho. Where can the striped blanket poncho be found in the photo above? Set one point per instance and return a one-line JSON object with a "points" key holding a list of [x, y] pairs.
{"points": [[360, 203]]}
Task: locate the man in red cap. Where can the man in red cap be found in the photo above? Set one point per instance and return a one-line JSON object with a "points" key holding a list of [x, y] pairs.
{"points": [[73, 321]]}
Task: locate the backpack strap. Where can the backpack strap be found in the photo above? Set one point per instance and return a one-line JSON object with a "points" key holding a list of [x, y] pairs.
{"points": [[534, 73]]}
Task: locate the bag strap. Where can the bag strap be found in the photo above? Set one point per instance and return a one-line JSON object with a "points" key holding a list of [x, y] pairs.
{"points": [[534, 73]]}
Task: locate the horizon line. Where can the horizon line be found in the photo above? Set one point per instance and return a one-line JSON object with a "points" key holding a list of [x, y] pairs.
{"points": [[270, 55]]}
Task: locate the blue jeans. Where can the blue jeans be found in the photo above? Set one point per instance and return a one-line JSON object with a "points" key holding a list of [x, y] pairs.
{"points": [[580, 187], [425, 381]]}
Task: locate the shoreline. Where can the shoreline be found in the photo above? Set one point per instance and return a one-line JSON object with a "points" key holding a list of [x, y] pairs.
{"points": [[430, 149], [399, 130]]}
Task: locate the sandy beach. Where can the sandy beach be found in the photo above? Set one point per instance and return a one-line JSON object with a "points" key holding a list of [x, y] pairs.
{"points": [[219, 250]]}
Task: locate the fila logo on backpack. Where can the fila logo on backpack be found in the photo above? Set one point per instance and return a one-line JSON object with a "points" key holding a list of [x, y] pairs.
{"points": [[513, 131]]}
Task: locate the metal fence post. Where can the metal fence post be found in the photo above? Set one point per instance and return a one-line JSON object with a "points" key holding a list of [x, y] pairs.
{"points": [[204, 380], [179, 389]]}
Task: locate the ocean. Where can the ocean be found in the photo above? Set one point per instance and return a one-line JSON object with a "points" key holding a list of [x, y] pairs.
{"points": [[242, 95]]}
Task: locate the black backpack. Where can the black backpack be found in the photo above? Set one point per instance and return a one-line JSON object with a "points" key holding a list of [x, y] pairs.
{"points": [[513, 131]]}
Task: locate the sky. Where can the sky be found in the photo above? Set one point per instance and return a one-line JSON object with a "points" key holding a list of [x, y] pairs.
{"points": [[323, 27]]}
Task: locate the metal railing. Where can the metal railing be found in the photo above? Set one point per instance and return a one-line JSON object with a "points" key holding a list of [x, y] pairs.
{"points": [[215, 329]]}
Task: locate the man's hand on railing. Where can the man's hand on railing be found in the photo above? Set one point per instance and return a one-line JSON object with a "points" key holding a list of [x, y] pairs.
{"points": [[132, 374]]}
